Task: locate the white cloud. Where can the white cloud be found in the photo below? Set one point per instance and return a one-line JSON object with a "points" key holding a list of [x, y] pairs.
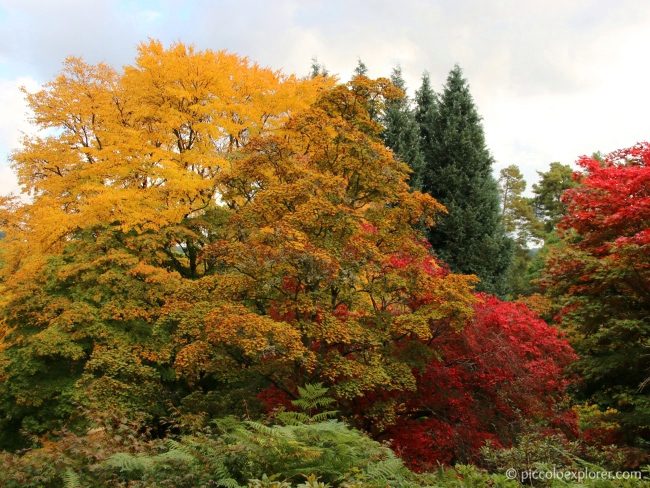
{"points": [[14, 111], [606, 113], [8, 183], [14, 123]]}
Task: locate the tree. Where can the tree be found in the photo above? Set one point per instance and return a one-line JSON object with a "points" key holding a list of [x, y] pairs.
{"points": [[501, 373], [548, 194], [458, 173], [425, 112], [324, 277], [520, 223], [534, 221], [361, 69], [516, 210], [317, 69], [401, 130], [599, 275], [124, 200]]}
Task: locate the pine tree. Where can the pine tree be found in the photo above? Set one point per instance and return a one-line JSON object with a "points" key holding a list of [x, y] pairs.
{"points": [[517, 213], [401, 131], [317, 69], [521, 224], [361, 69], [458, 173]]}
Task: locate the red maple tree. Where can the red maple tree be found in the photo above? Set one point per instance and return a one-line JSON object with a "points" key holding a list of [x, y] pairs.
{"points": [[504, 368]]}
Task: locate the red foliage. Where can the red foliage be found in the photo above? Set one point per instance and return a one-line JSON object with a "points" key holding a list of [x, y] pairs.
{"points": [[504, 367], [290, 284], [601, 436], [400, 261], [428, 264], [281, 314], [369, 228], [273, 398], [420, 441], [611, 207], [342, 312]]}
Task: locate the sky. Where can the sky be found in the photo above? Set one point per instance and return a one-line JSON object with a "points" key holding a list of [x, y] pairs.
{"points": [[553, 80]]}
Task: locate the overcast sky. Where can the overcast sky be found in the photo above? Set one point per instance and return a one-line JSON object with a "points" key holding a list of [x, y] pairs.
{"points": [[552, 79]]}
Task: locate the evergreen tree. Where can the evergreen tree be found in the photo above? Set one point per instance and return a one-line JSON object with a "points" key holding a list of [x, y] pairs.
{"points": [[317, 69], [548, 193], [361, 69], [458, 173], [401, 131], [425, 112], [519, 221], [517, 213]]}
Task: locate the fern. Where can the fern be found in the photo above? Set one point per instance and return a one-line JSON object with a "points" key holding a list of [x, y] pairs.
{"points": [[323, 416], [224, 478], [312, 397], [71, 479], [268, 482], [228, 483], [387, 470], [271, 432], [292, 418], [174, 456], [128, 463], [318, 453]]}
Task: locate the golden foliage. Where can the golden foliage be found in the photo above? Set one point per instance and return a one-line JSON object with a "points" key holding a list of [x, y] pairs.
{"points": [[144, 148], [257, 336]]}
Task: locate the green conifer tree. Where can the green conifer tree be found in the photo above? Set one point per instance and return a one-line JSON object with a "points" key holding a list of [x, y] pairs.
{"points": [[361, 69], [317, 69], [401, 131], [458, 173], [425, 112]]}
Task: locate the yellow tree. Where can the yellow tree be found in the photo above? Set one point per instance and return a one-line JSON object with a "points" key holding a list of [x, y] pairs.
{"points": [[142, 149], [123, 180]]}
